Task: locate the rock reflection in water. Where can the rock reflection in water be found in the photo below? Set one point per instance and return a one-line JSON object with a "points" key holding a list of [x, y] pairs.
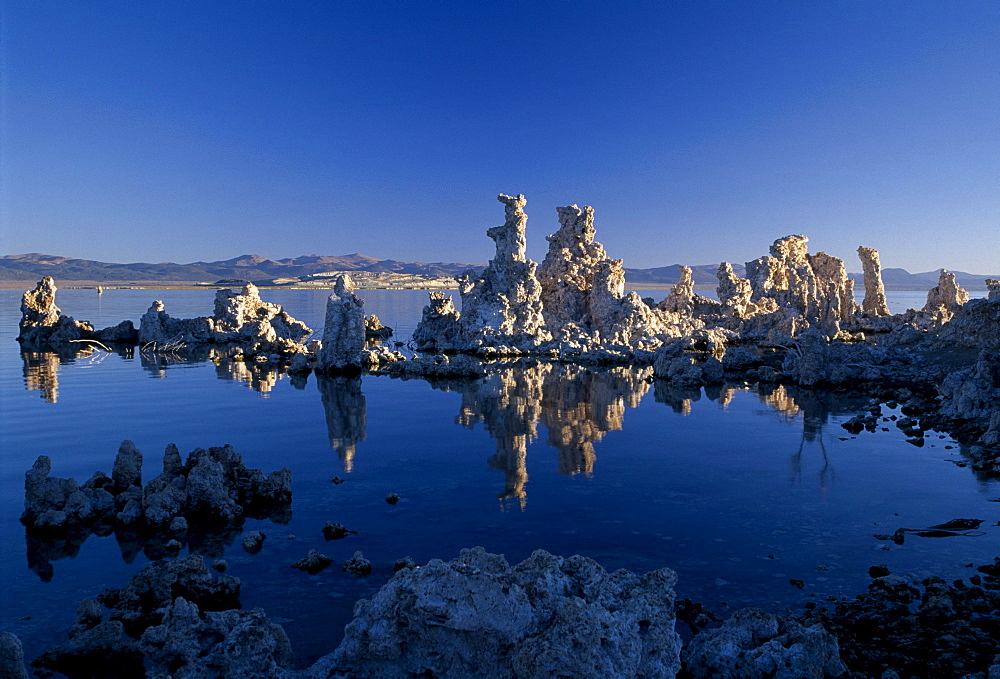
{"points": [[41, 367], [230, 364], [346, 415]]}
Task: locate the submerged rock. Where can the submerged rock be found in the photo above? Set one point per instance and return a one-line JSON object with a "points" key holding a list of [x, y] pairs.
{"points": [[547, 616]]}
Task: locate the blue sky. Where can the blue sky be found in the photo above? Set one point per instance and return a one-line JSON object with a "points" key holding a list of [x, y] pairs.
{"points": [[699, 131]]}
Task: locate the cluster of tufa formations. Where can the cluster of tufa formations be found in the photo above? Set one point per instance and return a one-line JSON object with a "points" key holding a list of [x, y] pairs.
{"points": [[525, 334]]}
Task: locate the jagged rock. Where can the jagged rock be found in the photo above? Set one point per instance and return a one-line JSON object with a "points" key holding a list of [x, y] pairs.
{"points": [[45, 497], [814, 288], [253, 541], [125, 333], [754, 644], [334, 531], [374, 330], [976, 324], [973, 392], [105, 650], [313, 562], [108, 647], [39, 313], [189, 643], [405, 563], [503, 305], [127, 469], [993, 288], [11, 657], [547, 616], [141, 602], [583, 290], [440, 365], [358, 565], [343, 330], [874, 302], [239, 317], [945, 298], [439, 328]]}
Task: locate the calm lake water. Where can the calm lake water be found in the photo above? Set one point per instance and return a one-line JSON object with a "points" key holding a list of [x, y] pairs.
{"points": [[738, 489]]}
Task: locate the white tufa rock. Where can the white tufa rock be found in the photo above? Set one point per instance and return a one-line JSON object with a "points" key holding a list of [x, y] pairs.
{"points": [[874, 302], [343, 330]]}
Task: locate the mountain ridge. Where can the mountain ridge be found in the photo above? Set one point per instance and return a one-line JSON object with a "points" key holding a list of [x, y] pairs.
{"points": [[29, 267]]}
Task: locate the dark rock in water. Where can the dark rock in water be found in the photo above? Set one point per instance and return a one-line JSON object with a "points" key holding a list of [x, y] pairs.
{"points": [[878, 571], [172, 619], [406, 562], [313, 562], [253, 541], [392, 498], [335, 531], [358, 565], [201, 503], [959, 524], [11, 657]]}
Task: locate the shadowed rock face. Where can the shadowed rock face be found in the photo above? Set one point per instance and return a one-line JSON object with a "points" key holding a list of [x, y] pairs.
{"points": [[547, 616]]}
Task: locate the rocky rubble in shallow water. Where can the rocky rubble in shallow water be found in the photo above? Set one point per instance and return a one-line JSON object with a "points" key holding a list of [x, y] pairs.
{"points": [[209, 494]]}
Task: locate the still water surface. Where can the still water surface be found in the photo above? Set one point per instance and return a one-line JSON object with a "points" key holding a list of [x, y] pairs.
{"points": [[738, 489]]}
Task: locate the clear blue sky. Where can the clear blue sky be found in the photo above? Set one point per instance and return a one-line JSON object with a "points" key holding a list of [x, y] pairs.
{"points": [[700, 131]]}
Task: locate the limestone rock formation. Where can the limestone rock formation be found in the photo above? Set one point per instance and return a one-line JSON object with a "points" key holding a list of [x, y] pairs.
{"points": [[874, 302], [190, 643], [439, 328], [993, 287], [806, 290], [43, 323], [239, 317], [343, 330], [503, 305], [754, 644], [973, 392], [583, 290], [547, 616], [945, 298]]}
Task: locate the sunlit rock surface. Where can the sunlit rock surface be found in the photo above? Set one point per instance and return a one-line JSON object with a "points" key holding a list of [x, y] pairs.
{"points": [[547, 616], [503, 305], [439, 328], [239, 317], [874, 303], [945, 298], [43, 323], [343, 330]]}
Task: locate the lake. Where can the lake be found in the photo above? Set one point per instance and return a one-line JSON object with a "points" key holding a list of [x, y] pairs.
{"points": [[740, 489]]}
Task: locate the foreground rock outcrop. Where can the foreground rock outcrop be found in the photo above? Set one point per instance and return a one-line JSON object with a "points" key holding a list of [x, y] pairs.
{"points": [[547, 616]]}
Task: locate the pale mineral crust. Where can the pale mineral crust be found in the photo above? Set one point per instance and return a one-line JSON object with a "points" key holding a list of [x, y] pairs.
{"points": [[439, 328], [343, 329], [945, 298], [43, 323], [874, 302], [504, 305]]}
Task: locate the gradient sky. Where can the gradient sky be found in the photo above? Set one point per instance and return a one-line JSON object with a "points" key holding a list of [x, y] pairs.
{"points": [[700, 131]]}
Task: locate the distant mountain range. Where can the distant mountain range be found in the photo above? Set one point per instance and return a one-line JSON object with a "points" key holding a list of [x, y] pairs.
{"points": [[31, 267]]}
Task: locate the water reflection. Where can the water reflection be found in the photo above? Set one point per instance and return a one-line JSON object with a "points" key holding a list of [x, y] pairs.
{"points": [[346, 415], [41, 367]]}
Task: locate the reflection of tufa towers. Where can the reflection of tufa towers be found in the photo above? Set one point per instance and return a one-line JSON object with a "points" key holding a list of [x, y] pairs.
{"points": [[41, 373], [579, 406], [346, 415], [507, 402], [576, 404]]}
